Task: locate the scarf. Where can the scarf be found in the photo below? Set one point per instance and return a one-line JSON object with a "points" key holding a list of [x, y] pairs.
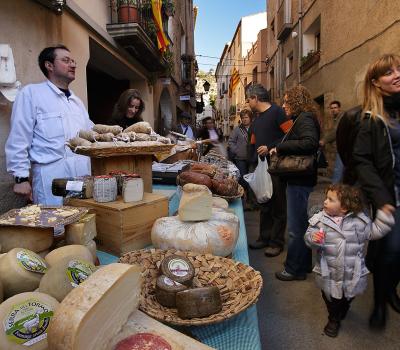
{"points": [[392, 104]]}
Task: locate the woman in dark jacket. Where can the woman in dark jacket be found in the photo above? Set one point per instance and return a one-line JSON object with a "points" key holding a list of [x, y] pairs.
{"points": [[302, 139], [128, 109], [210, 135], [376, 157]]}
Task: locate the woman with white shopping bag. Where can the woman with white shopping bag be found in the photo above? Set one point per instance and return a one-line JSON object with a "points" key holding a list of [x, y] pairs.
{"points": [[260, 181]]}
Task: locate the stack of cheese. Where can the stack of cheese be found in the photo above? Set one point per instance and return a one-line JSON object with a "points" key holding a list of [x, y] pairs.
{"points": [[101, 314], [198, 227]]}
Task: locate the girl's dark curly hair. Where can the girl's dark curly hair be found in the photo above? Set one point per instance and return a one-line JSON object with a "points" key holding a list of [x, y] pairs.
{"points": [[299, 100], [350, 197]]}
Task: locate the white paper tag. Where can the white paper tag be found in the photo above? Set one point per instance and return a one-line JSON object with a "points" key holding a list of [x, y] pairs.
{"points": [[75, 186]]}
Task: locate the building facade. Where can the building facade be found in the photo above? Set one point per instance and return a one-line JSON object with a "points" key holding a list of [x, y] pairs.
{"points": [[113, 54]]}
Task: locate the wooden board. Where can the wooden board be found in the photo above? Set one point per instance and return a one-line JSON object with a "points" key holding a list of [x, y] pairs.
{"points": [[139, 164], [123, 227]]}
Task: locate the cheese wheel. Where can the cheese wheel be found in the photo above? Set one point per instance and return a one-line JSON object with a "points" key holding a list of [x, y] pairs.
{"points": [[36, 239], [178, 268], [91, 245], [73, 251], [21, 271], [198, 302], [166, 290], [83, 231], [91, 314], [25, 319], [196, 203], [218, 202], [64, 276]]}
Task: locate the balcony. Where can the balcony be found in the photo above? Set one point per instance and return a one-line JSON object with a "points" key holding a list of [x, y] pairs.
{"points": [[308, 61], [133, 28], [284, 20]]}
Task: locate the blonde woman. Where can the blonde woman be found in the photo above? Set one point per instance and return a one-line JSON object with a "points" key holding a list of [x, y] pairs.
{"points": [[376, 158]]}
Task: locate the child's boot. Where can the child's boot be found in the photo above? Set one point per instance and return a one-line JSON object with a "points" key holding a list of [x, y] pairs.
{"points": [[332, 328]]}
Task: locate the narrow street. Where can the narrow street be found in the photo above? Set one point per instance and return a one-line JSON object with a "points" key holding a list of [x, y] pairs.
{"points": [[292, 315]]}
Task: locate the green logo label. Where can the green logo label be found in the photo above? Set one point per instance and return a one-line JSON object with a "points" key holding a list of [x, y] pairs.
{"points": [[31, 262], [27, 322], [78, 271]]}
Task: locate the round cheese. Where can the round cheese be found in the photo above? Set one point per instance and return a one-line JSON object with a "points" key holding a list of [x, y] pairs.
{"points": [[21, 271], [178, 268], [72, 251], [198, 302], [25, 319], [142, 341], [92, 314], [64, 276], [166, 290], [32, 238]]}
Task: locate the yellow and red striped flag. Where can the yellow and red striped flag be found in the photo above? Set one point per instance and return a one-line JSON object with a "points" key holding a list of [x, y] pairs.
{"points": [[234, 81], [162, 40]]}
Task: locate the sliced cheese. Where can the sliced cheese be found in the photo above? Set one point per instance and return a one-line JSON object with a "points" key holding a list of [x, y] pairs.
{"points": [[91, 314], [32, 238], [17, 271], [64, 276], [83, 231], [72, 251], [196, 203], [25, 319]]}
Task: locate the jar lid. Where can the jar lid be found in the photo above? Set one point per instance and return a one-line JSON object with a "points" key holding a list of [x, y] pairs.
{"points": [[117, 172], [131, 175]]}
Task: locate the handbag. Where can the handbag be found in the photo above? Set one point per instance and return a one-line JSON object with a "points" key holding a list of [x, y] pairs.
{"points": [[291, 165]]}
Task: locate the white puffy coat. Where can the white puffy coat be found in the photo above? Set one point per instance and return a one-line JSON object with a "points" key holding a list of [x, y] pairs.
{"points": [[340, 268]]}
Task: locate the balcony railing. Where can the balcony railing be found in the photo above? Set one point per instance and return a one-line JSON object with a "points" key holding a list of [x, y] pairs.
{"points": [[133, 27], [284, 19]]}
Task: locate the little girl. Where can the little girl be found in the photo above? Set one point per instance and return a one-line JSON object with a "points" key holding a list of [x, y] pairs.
{"points": [[340, 232]]}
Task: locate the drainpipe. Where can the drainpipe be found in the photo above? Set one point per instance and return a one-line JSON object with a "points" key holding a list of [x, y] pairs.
{"points": [[300, 9]]}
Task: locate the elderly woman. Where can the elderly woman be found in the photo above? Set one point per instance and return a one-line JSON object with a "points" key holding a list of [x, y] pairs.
{"points": [[301, 139], [376, 157], [128, 109]]}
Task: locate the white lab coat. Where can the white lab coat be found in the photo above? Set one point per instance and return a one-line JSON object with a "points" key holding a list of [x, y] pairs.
{"points": [[42, 120]]}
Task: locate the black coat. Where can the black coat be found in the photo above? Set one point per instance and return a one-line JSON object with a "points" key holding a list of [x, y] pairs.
{"points": [[373, 160], [302, 139]]}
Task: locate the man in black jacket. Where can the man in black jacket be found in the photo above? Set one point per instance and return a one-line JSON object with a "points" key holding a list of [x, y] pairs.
{"points": [[266, 131]]}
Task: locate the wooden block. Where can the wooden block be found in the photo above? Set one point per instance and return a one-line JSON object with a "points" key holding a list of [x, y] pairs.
{"points": [[139, 164], [123, 227]]}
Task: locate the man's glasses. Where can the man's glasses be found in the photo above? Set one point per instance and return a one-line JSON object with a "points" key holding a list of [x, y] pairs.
{"points": [[67, 60]]}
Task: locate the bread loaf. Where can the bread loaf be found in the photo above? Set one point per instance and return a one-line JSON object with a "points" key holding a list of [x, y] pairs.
{"points": [[202, 168], [228, 187], [195, 178]]}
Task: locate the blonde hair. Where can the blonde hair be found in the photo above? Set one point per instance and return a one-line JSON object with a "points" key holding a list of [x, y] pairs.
{"points": [[373, 95]]}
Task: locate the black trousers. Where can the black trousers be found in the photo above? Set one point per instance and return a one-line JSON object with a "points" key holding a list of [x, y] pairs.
{"points": [[273, 215], [337, 308]]}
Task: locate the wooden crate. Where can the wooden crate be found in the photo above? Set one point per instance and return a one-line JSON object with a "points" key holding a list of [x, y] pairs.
{"points": [[139, 164], [123, 227]]}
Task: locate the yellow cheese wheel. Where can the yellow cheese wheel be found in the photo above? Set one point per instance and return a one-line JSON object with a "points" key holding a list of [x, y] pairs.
{"points": [[69, 251], [32, 238], [24, 320], [21, 271]]}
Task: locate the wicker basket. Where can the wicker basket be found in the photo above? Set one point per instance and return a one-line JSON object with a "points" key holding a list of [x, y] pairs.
{"points": [[232, 198], [239, 284]]}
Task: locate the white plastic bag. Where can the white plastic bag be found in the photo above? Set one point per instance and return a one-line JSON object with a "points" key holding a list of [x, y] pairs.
{"points": [[260, 181]]}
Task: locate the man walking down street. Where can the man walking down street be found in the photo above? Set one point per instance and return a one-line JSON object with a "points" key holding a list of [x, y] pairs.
{"points": [[266, 131], [184, 126], [330, 138], [44, 117]]}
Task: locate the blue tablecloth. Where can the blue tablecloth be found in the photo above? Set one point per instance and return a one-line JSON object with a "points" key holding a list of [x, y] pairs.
{"points": [[239, 332]]}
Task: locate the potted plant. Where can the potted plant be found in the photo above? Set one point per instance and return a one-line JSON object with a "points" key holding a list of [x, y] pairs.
{"points": [[127, 11]]}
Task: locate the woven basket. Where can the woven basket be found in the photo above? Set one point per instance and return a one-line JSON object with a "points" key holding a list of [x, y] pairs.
{"points": [[239, 284], [232, 198]]}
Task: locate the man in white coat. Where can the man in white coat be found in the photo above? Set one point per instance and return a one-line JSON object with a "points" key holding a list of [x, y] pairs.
{"points": [[44, 117]]}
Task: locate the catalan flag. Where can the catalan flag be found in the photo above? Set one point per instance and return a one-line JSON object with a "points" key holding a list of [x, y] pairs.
{"points": [[162, 40], [234, 82]]}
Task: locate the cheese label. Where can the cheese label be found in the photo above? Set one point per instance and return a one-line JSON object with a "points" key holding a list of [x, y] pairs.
{"points": [[78, 271], [75, 186], [170, 282], [178, 267], [27, 322], [31, 262]]}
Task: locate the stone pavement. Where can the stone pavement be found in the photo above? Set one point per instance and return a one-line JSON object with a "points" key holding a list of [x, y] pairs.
{"points": [[292, 315]]}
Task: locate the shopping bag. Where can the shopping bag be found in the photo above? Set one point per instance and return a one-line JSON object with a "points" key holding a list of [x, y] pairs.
{"points": [[260, 181]]}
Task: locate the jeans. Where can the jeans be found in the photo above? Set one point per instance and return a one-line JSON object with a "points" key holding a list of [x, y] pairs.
{"points": [[337, 170], [273, 215], [299, 258]]}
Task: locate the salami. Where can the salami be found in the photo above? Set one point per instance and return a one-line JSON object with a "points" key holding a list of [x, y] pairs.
{"points": [[141, 341]]}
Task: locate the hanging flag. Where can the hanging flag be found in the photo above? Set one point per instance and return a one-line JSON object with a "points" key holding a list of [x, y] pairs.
{"points": [[234, 81], [162, 40]]}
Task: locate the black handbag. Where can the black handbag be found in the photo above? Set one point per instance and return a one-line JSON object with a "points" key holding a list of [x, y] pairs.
{"points": [[291, 165]]}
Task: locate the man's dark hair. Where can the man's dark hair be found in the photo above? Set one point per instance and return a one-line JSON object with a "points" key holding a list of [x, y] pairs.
{"points": [[48, 54], [335, 103], [259, 91], [185, 115]]}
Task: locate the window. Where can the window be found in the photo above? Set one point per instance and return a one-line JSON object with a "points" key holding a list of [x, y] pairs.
{"points": [[312, 38], [317, 43], [289, 64], [255, 73]]}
